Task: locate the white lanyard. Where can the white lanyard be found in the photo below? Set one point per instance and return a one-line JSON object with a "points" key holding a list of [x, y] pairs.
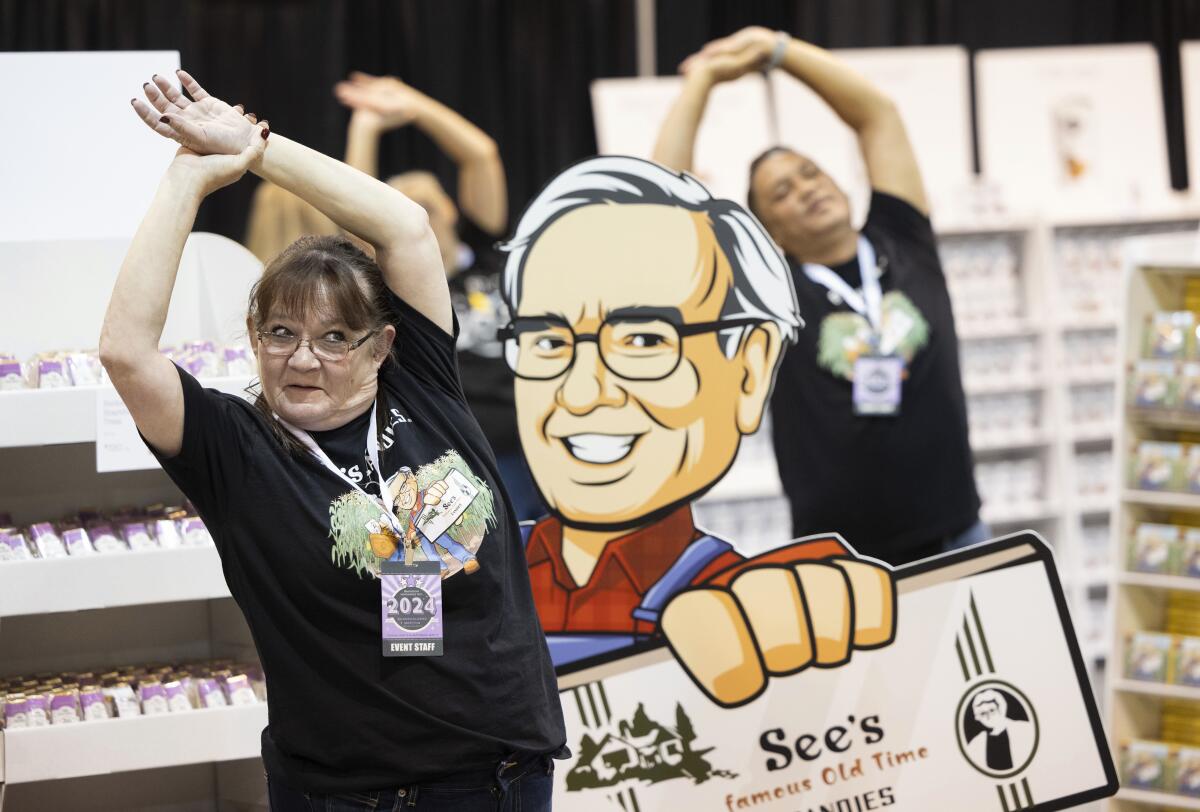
{"points": [[372, 453], [867, 302]]}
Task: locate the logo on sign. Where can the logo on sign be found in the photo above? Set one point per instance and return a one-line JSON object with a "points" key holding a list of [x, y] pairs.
{"points": [[997, 729], [643, 750]]}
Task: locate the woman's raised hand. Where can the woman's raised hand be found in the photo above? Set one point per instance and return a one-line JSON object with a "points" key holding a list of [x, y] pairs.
{"points": [[203, 124], [393, 102], [732, 57], [218, 143]]}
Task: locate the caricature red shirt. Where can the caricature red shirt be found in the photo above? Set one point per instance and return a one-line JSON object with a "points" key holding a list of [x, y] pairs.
{"points": [[627, 568]]}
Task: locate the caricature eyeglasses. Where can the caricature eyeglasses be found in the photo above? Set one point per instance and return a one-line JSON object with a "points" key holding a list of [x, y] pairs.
{"points": [[539, 348]]}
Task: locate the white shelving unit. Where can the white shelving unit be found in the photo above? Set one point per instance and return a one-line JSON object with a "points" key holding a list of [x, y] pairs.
{"points": [[38, 417], [103, 611], [1159, 273], [140, 743]]}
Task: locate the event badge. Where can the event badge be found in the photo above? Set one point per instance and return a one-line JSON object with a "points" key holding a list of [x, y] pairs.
{"points": [[411, 599], [877, 385]]}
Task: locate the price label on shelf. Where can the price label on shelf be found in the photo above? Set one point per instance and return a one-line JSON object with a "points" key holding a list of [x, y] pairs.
{"points": [[118, 446]]}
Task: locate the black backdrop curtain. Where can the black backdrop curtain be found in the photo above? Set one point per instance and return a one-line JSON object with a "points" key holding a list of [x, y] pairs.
{"points": [[520, 69]]}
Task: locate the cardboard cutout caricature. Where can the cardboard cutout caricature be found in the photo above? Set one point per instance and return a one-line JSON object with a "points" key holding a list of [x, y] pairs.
{"points": [[648, 321]]}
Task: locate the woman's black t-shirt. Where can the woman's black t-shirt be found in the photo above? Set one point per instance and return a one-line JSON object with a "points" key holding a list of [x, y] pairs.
{"points": [[887, 484], [294, 544]]}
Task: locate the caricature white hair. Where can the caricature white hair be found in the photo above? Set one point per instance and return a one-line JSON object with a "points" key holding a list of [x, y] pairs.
{"points": [[762, 282]]}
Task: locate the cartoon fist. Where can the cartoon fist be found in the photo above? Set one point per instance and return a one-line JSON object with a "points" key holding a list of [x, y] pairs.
{"points": [[435, 492], [774, 619]]}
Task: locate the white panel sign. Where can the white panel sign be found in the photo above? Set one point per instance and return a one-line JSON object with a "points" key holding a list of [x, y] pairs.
{"points": [[981, 702], [118, 446], [735, 129], [83, 170], [1075, 132]]}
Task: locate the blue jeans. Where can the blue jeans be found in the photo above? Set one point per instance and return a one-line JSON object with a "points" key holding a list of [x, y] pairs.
{"points": [[453, 547], [975, 534], [518, 784]]}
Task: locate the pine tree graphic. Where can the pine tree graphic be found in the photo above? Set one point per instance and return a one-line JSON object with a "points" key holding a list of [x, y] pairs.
{"points": [[643, 750]]}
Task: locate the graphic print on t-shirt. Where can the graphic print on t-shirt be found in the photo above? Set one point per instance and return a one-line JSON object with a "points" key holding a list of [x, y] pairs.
{"points": [[846, 335], [443, 510]]}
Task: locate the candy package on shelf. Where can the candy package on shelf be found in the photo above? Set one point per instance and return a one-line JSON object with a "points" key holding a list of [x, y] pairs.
{"points": [[54, 370], [129, 691], [88, 533]]}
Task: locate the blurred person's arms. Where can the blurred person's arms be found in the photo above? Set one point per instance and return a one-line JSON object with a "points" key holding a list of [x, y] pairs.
{"points": [[383, 103], [882, 139]]}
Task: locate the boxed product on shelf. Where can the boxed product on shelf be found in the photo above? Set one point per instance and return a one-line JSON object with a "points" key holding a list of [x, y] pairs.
{"points": [[1184, 777], [1191, 469], [1144, 764], [128, 692], [1170, 659], [52, 370], [1188, 397], [13, 545], [1187, 662], [151, 528], [1154, 546], [1188, 559], [1157, 466], [12, 375], [1148, 656], [1170, 335], [1155, 384]]}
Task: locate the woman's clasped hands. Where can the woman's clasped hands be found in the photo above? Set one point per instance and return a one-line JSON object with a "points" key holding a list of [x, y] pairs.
{"points": [[218, 142]]}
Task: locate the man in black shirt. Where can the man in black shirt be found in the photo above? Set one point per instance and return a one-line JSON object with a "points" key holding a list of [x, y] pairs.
{"points": [[869, 415]]}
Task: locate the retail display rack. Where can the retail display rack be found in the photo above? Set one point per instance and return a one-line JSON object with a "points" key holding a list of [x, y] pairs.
{"points": [[1151, 702], [97, 612]]}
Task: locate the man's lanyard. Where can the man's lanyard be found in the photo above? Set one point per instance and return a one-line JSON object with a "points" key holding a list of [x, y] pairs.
{"points": [[372, 453], [867, 301]]}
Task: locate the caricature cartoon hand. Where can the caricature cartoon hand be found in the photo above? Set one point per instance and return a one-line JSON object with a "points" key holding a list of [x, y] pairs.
{"points": [[776, 619], [435, 492]]}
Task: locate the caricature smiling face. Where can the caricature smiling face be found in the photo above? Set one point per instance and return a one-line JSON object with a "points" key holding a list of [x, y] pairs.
{"points": [[607, 451], [405, 492]]}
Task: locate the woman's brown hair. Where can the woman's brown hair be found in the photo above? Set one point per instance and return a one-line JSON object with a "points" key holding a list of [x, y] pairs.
{"points": [[328, 272]]}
